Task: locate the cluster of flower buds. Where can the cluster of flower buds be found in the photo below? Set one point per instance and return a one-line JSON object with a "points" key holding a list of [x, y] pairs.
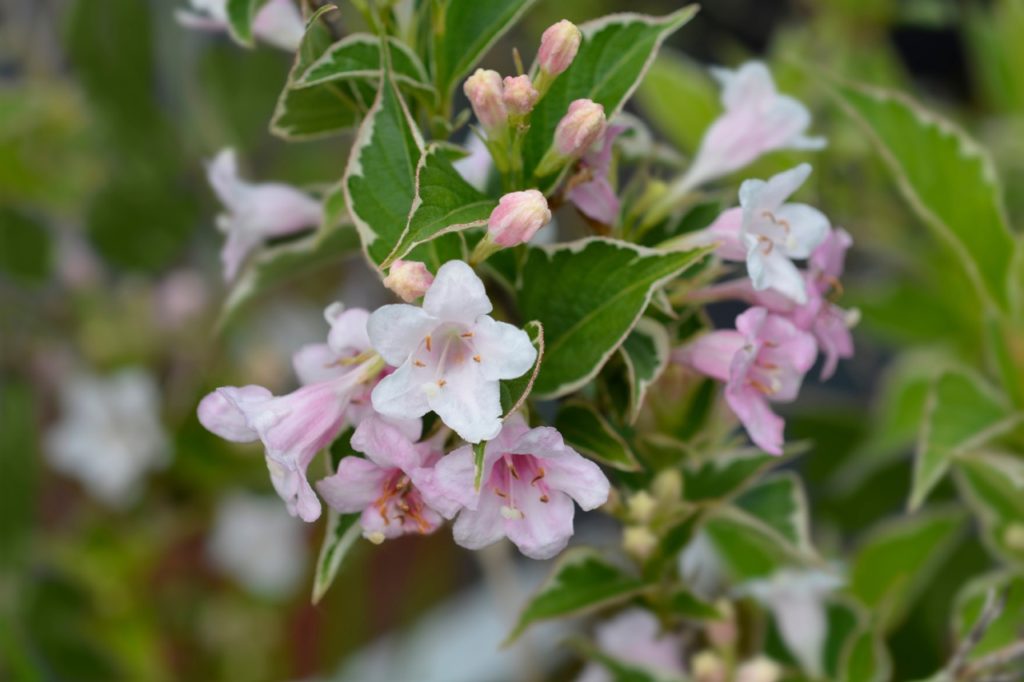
{"points": [[381, 373], [792, 318]]}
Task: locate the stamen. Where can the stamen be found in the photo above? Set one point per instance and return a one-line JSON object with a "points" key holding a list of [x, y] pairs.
{"points": [[500, 493], [539, 476], [761, 388], [466, 335], [441, 383], [770, 366], [402, 483], [427, 340], [545, 499], [419, 364], [401, 504], [476, 358]]}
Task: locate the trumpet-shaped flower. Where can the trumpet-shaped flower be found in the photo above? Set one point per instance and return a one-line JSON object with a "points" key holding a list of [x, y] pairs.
{"points": [[277, 22], [596, 198], [296, 426], [764, 359], [757, 119], [255, 212], [450, 355], [529, 480], [385, 485]]}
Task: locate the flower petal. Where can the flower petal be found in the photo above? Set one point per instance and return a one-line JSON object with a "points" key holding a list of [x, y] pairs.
{"points": [[545, 527], [396, 330], [450, 485], [763, 426], [477, 528], [505, 351], [354, 486], [726, 231], [596, 200], [773, 270], [401, 395], [456, 295], [316, 362], [222, 174], [236, 249], [712, 354], [808, 228], [761, 195], [467, 402], [386, 446], [348, 334], [280, 24], [220, 413]]}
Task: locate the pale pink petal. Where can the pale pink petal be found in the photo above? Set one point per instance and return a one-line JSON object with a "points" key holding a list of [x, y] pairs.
{"points": [[401, 395], [236, 249], [199, 22], [763, 426], [505, 351], [545, 527], [468, 403], [316, 362], [829, 257], [219, 411], [396, 330], [808, 228], [725, 231], [480, 527], [222, 174], [274, 209], [386, 446], [712, 353], [769, 195], [457, 295], [451, 483], [279, 23], [773, 270], [355, 485], [291, 485], [348, 334], [596, 200], [833, 334]]}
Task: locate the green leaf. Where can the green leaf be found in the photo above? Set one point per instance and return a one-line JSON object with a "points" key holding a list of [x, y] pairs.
{"points": [[780, 502], [1005, 629], [581, 581], [276, 265], [380, 179], [993, 486], [613, 57], [19, 463], [589, 295], [645, 352], [963, 413], [514, 392], [357, 57], [469, 29], [725, 474], [748, 546], [946, 177], [590, 433], [844, 621], [342, 532], [866, 659], [307, 113], [897, 561], [443, 203], [25, 251], [673, 541], [683, 603], [479, 452], [680, 98], [240, 15]]}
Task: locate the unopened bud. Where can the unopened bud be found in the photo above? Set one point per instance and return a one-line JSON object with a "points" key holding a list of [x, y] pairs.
{"points": [[722, 633], [638, 541], [581, 126], [641, 506], [668, 486], [517, 217], [558, 47], [483, 89], [760, 669], [409, 279], [519, 95], [707, 666]]}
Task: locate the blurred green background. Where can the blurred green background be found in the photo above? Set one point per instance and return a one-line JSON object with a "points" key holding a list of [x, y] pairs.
{"points": [[108, 260]]}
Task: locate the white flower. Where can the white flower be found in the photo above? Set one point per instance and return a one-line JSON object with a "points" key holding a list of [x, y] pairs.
{"points": [[796, 599], [257, 543], [255, 212], [774, 232], [450, 355], [109, 435], [277, 22]]}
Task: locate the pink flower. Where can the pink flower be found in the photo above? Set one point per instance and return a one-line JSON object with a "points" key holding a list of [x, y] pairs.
{"points": [[484, 91], [635, 637], [385, 485], [558, 47], [450, 355], [296, 426], [756, 120], [517, 217], [409, 279], [255, 212], [596, 198], [277, 22], [764, 359], [530, 479], [519, 95]]}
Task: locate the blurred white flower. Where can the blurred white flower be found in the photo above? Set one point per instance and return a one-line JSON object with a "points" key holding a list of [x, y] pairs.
{"points": [[701, 568], [256, 542], [635, 637], [109, 435]]}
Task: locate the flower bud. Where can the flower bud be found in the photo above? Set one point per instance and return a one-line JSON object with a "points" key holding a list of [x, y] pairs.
{"points": [[409, 279], [517, 217], [483, 89], [707, 666], [519, 95], [639, 542], [580, 127], [641, 506], [760, 669], [558, 47]]}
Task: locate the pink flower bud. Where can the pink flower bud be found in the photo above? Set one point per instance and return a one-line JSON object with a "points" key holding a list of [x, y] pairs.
{"points": [[409, 279], [558, 47], [579, 128], [520, 95], [517, 217], [483, 89]]}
